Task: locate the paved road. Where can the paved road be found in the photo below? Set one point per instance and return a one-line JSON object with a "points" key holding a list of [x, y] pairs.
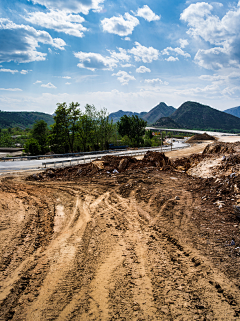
{"points": [[9, 166]]}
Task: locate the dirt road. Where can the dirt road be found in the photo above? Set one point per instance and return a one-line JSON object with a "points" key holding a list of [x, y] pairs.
{"points": [[131, 246]]}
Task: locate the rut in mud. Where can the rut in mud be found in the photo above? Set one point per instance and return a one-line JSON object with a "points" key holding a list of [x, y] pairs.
{"points": [[119, 247]]}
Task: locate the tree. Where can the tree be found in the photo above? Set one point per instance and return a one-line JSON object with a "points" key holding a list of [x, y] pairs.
{"points": [[32, 147], [133, 127], [63, 132], [40, 134]]}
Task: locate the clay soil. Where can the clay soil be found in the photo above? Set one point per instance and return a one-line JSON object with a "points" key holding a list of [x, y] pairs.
{"points": [[148, 242]]}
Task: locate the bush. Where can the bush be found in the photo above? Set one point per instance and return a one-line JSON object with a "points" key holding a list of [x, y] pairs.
{"points": [[32, 147]]}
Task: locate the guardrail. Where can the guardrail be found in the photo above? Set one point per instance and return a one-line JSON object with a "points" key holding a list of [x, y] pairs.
{"points": [[89, 159], [58, 155]]}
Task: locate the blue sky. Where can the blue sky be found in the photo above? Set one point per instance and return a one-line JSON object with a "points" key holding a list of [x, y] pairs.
{"points": [[126, 54]]}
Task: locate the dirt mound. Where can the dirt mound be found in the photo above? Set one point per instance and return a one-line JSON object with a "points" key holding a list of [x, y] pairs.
{"points": [[199, 137], [184, 163], [219, 148], [156, 159]]}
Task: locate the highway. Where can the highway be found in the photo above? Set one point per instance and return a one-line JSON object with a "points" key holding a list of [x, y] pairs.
{"points": [[10, 166]]}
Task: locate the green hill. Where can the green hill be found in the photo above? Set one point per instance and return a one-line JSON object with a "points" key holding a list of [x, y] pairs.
{"points": [[166, 122], [192, 115], [161, 110], [118, 114], [235, 111], [23, 119]]}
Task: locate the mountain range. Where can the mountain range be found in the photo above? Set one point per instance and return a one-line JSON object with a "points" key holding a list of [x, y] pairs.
{"points": [[23, 119], [235, 111], [190, 115], [161, 110]]}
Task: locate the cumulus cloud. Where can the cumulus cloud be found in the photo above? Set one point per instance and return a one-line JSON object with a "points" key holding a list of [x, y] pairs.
{"points": [[66, 77], [8, 70], [49, 85], [177, 51], [142, 70], [183, 43], [24, 72], [146, 13], [122, 26], [156, 81], [11, 89], [93, 61], [21, 42], [127, 38], [76, 6], [124, 77], [121, 55], [171, 58], [146, 54], [222, 34], [60, 21]]}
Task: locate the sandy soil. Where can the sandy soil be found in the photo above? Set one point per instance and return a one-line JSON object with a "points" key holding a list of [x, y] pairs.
{"points": [[140, 245], [229, 139]]}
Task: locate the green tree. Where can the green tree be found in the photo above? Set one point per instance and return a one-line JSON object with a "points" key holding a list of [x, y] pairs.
{"points": [[40, 134], [32, 147], [63, 133], [133, 127]]}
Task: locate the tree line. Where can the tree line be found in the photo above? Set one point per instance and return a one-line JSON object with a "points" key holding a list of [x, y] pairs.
{"points": [[75, 130]]}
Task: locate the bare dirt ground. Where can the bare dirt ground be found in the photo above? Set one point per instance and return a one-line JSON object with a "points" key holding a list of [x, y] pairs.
{"points": [[148, 243]]}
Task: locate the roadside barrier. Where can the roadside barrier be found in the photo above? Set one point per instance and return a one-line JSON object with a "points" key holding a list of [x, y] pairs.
{"points": [[84, 160]]}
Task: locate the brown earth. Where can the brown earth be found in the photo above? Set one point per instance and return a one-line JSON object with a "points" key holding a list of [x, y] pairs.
{"points": [[200, 138], [148, 242]]}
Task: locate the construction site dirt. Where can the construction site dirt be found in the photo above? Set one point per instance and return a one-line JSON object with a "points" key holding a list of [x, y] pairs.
{"points": [[124, 239]]}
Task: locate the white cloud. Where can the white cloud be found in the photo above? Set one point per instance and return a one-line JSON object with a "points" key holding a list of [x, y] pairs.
{"points": [[146, 13], [49, 85], [156, 81], [171, 58], [66, 77], [127, 65], [221, 34], [72, 6], [127, 38], [177, 51], [122, 26], [24, 72], [142, 70], [210, 89], [60, 21], [146, 54], [9, 70], [124, 77], [67, 83], [21, 42], [121, 55], [183, 43], [11, 89], [37, 82], [93, 61]]}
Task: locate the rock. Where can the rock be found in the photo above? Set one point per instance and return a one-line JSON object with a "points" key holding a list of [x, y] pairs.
{"points": [[177, 198], [98, 165], [123, 164]]}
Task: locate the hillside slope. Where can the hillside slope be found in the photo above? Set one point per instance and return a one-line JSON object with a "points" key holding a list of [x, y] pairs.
{"points": [[193, 115], [23, 119], [235, 111], [118, 114], [166, 122], [161, 110]]}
